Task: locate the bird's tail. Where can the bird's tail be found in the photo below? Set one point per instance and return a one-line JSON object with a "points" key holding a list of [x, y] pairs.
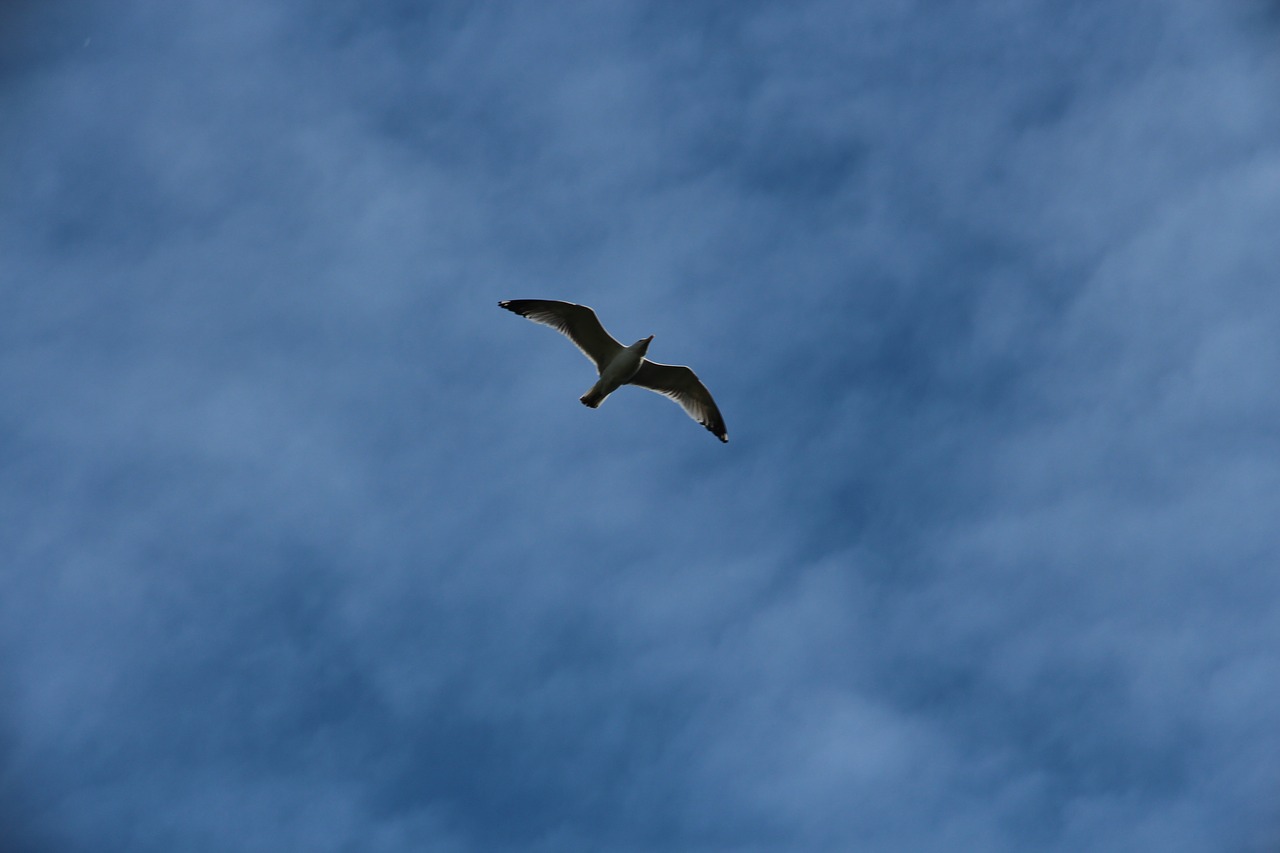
{"points": [[592, 398]]}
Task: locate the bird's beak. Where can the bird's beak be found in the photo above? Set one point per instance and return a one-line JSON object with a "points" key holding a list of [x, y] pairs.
{"points": [[649, 339]]}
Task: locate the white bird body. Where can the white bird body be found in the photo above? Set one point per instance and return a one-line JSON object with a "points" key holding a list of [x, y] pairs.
{"points": [[619, 365], [618, 372]]}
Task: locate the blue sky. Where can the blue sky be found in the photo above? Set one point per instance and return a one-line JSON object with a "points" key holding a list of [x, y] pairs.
{"points": [[308, 545]]}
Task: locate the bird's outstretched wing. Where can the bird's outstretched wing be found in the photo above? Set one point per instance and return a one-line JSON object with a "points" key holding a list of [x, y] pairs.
{"points": [[578, 323], [682, 385]]}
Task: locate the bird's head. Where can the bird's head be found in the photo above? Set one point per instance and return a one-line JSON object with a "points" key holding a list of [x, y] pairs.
{"points": [[643, 344]]}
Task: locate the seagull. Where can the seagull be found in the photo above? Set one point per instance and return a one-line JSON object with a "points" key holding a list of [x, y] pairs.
{"points": [[619, 365]]}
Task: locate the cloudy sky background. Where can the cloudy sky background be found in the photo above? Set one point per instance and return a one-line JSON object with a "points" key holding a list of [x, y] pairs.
{"points": [[309, 546]]}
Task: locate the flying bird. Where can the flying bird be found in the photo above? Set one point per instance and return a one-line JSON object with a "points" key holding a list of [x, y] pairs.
{"points": [[619, 365]]}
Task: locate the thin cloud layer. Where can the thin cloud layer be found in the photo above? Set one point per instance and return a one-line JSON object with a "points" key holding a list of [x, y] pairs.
{"points": [[311, 547]]}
